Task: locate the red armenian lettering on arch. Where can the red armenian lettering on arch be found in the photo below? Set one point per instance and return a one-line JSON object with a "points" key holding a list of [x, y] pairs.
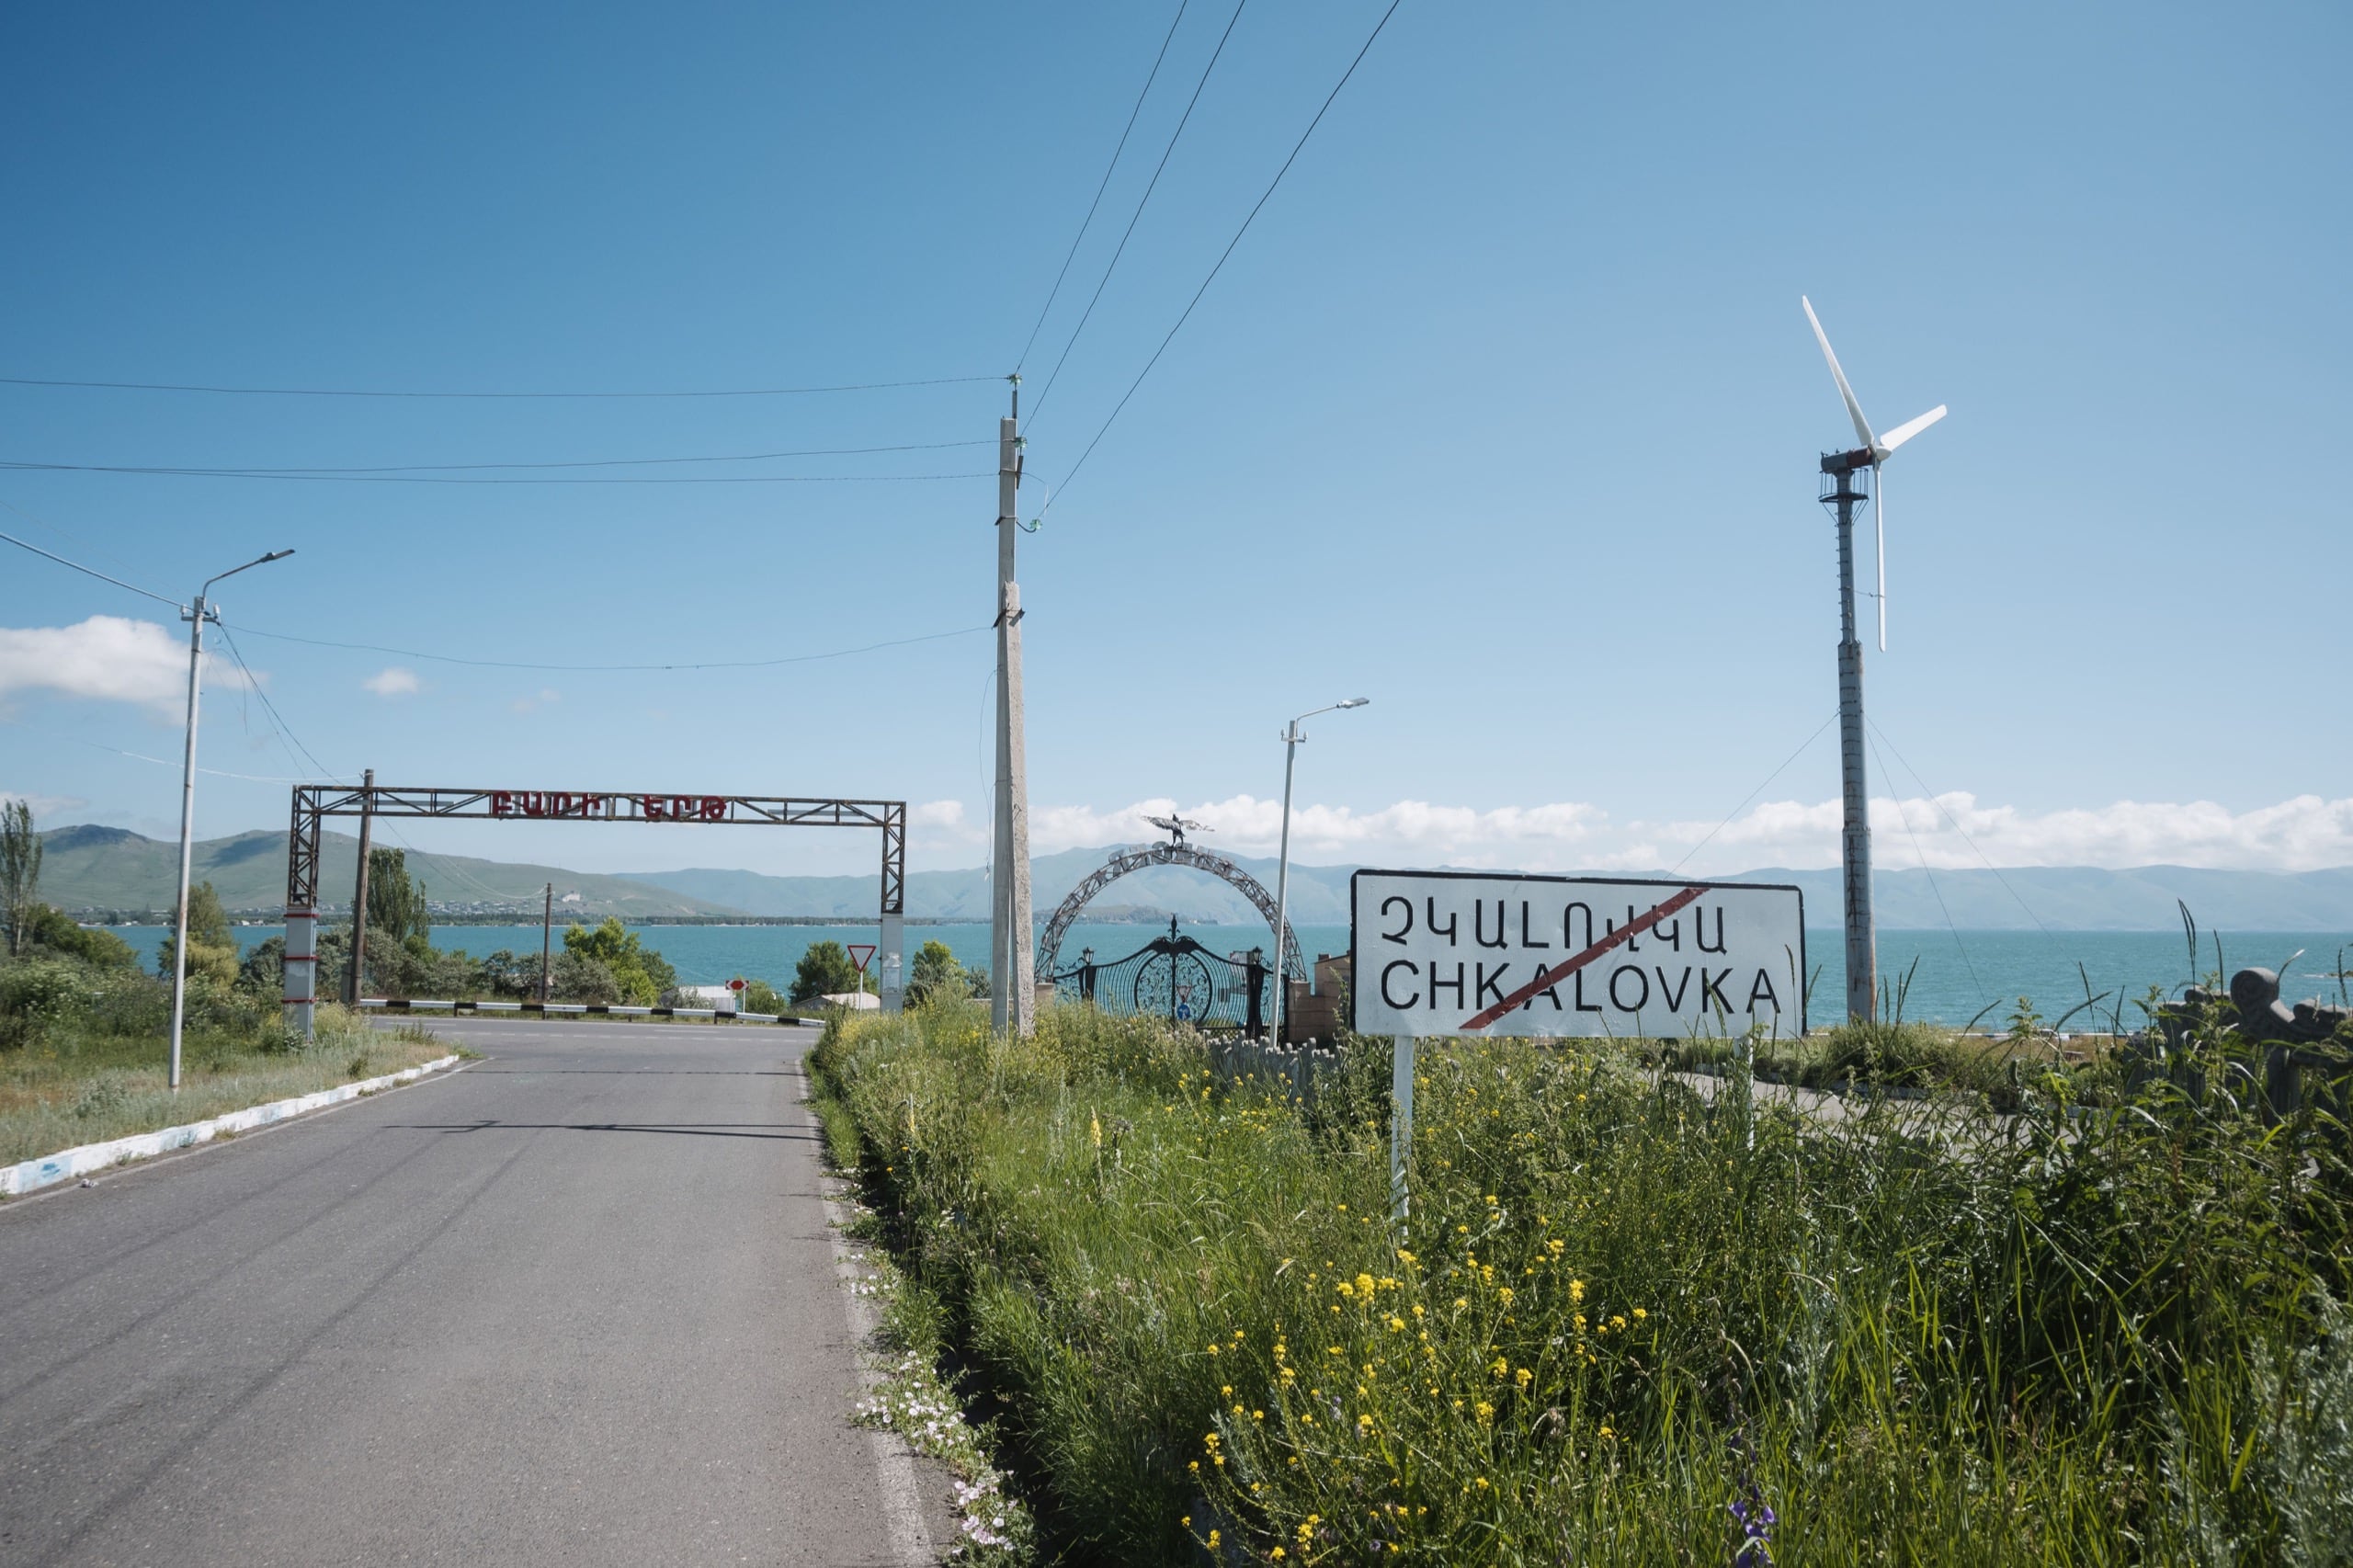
{"points": [[502, 802], [714, 808], [535, 803], [650, 807], [682, 807]]}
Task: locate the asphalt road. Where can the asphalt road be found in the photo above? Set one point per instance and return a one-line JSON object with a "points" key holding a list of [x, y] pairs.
{"points": [[574, 1305]]}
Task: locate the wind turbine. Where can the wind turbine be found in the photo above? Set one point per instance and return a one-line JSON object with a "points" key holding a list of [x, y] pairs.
{"points": [[1840, 467], [1881, 449]]}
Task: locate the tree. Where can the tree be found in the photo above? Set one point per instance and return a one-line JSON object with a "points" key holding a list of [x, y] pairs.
{"points": [[19, 874], [641, 972], [395, 899], [824, 971], [53, 929], [211, 947], [936, 976]]}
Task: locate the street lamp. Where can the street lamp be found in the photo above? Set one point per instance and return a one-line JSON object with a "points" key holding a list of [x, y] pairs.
{"points": [[1293, 735], [196, 615]]}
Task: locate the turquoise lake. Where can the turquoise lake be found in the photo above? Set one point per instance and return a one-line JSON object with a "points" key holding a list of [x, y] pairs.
{"points": [[1958, 975]]}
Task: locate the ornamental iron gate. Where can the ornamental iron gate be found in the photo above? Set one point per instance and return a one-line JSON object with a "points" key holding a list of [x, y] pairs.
{"points": [[1176, 978], [1179, 853]]}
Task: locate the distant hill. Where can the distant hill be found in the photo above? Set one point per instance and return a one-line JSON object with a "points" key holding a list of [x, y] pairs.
{"points": [[92, 868], [2071, 898], [89, 867]]}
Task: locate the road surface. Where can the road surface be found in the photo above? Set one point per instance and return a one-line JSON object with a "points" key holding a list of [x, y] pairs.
{"points": [[574, 1305]]}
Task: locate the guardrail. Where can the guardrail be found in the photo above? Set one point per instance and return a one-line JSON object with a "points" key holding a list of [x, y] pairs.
{"points": [[614, 1009]]}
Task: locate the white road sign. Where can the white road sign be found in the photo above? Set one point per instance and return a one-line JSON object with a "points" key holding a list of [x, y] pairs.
{"points": [[1448, 952]]}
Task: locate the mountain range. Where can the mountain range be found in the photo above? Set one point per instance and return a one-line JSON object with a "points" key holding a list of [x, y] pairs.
{"points": [[92, 869]]}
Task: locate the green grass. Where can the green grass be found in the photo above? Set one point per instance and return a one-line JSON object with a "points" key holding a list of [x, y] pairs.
{"points": [[76, 1083], [1616, 1310]]}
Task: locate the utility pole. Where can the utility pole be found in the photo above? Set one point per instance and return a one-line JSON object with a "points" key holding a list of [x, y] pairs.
{"points": [[547, 928], [354, 982], [1012, 1001], [196, 614], [1855, 837]]}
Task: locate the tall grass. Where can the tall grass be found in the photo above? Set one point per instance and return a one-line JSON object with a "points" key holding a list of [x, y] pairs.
{"points": [[1621, 1325], [79, 1079]]}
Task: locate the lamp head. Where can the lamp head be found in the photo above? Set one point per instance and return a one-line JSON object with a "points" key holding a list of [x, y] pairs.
{"points": [[1353, 702]]}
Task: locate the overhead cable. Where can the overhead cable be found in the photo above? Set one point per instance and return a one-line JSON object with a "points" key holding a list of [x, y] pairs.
{"points": [[329, 477], [1142, 202], [284, 730], [348, 392], [88, 572], [1053, 293], [607, 669], [1204, 288], [246, 469]]}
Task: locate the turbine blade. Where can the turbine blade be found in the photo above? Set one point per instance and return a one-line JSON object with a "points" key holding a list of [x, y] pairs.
{"points": [[1879, 555], [1853, 409], [1908, 429]]}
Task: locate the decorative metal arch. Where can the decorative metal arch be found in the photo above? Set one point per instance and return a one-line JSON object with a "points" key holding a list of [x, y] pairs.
{"points": [[1126, 860]]}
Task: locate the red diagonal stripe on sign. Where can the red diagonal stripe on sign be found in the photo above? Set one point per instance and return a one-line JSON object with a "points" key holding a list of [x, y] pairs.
{"points": [[1546, 978]]}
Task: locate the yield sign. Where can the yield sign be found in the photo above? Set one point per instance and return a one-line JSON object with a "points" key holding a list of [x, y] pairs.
{"points": [[860, 953]]}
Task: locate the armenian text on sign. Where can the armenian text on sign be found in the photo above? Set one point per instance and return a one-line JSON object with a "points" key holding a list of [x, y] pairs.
{"points": [[1444, 953], [567, 803]]}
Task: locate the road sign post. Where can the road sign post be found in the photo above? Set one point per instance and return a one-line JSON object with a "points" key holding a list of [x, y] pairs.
{"points": [[860, 955], [1455, 953]]}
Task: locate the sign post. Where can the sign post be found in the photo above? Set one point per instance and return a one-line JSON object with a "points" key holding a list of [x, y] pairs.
{"points": [[861, 954], [1502, 954]]}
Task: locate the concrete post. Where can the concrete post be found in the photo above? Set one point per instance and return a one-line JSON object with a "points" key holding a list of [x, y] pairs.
{"points": [[355, 982], [301, 970], [1013, 953], [1855, 836], [894, 961]]}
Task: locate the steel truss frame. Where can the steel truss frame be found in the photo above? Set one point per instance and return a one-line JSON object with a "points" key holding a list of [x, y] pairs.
{"points": [[313, 803]]}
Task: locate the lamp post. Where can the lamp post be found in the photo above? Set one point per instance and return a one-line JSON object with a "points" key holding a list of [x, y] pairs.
{"points": [[1293, 735], [196, 615]]}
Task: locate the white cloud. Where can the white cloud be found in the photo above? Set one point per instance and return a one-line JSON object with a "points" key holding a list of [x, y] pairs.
{"points": [[1953, 830], [1948, 831], [1414, 830], [44, 805], [106, 658], [545, 695], [393, 681]]}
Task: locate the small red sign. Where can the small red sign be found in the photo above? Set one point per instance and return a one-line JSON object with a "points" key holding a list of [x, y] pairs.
{"points": [[735, 984], [859, 953]]}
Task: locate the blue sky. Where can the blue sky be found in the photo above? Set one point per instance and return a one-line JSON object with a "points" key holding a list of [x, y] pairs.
{"points": [[1503, 413]]}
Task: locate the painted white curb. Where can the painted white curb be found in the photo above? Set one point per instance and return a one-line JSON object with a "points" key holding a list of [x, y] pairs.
{"points": [[91, 1157]]}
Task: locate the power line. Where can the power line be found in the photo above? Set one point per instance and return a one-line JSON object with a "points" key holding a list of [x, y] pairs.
{"points": [[88, 572], [1753, 794], [608, 669], [1182, 121], [383, 478], [346, 391], [284, 730], [1053, 293], [501, 664], [248, 470], [172, 762], [1905, 817], [1227, 251], [1955, 827]]}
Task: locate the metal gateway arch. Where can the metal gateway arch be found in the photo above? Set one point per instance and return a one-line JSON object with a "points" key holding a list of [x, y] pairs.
{"points": [[315, 803], [1126, 860]]}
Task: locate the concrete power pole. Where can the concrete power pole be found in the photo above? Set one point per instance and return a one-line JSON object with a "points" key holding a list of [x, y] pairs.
{"points": [[1862, 940], [1012, 960], [356, 978]]}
